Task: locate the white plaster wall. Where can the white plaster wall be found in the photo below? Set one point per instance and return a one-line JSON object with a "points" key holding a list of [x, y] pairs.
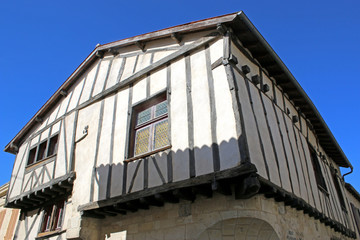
{"points": [[90, 78], [143, 61], [129, 67], [114, 72], [161, 54], [102, 74], [252, 138], [216, 50], [158, 81], [76, 94], [201, 114], [85, 152], [225, 121], [265, 136], [179, 121], [29, 226], [139, 91], [18, 171]]}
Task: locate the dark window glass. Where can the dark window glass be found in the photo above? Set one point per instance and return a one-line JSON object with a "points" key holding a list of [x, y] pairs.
{"points": [[338, 190], [317, 170], [32, 155], [42, 153], [53, 145], [53, 216]]}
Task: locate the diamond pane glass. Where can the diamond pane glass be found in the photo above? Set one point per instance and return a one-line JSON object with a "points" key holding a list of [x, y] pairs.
{"points": [[161, 134], [142, 141], [161, 109], [143, 116]]}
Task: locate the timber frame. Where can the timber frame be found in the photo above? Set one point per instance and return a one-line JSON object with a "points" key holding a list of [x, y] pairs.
{"points": [[260, 51]]}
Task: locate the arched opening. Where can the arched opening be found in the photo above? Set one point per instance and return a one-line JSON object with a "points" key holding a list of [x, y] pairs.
{"points": [[240, 229]]}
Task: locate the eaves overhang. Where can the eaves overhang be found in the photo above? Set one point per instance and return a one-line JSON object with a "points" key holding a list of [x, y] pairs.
{"points": [[251, 39]]}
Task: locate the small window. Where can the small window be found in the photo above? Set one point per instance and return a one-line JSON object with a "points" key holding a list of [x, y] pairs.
{"points": [[150, 127], [317, 170], [53, 145], [32, 156], [53, 216], [338, 191], [43, 150]]}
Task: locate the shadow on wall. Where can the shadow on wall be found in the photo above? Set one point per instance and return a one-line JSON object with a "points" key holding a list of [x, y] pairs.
{"points": [[240, 228], [169, 166]]}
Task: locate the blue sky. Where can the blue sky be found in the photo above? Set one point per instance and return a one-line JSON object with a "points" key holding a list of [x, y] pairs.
{"points": [[43, 42]]}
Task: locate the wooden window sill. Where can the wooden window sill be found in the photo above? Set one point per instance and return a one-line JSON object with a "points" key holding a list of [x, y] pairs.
{"points": [[44, 235], [147, 154], [41, 162]]}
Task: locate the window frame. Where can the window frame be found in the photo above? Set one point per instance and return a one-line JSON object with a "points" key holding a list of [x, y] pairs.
{"points": [[52, 219], [319, 176], [338, 191], [34, 151], [150, 103]]}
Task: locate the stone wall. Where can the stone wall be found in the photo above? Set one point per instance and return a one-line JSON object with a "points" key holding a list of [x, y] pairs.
{"points": [[219, 217]]}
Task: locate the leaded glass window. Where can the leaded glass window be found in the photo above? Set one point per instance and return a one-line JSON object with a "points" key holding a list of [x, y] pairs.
{"points": [[151, 127]]}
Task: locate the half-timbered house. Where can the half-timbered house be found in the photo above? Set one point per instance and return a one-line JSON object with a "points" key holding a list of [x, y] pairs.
{"points": [[197, 131]]}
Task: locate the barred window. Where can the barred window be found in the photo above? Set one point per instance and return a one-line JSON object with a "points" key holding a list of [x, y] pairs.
{"points": [[150, 127]]}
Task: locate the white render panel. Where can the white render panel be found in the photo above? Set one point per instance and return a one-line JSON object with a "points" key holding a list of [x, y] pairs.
{"points": [[18, 171], [89, 81], [64, 145], [76, 94], [102, 74], [64, 105], [37, 174], [265, 136], [54, 112], [250, 126], [129, 67], [44, 134], [139, 91], [179, 122], [161, 43], [27, 182], [48, 177], [284, 173], [216, 50], [201, 114], [243, 60], [34, 141], [105, 137], [85, 152], [143, 61], [25, 231], [114, 72], [158, 81], [162, 54], [225, 121], [119, 142], [121, 126], [288, 152], [55, 128]]}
